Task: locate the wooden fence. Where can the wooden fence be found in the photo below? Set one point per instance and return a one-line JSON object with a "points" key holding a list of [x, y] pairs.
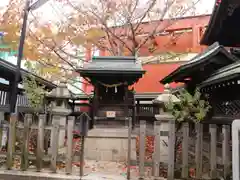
{"points": [[200, 153], [39, 155]]}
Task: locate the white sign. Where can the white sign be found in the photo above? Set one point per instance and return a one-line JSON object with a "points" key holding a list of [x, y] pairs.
{"points": [[111, 114]]}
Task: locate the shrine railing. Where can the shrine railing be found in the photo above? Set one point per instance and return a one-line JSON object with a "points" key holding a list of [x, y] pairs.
{"points": [[229, 108], [147, 109], [4, 101]]}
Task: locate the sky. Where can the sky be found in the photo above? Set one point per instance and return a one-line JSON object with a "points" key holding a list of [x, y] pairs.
{"points": [[51, 9]]}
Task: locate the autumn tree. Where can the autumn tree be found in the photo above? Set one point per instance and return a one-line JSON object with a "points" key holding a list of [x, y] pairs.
{"points": [[117, 27], [124, 27], [40, 45]]}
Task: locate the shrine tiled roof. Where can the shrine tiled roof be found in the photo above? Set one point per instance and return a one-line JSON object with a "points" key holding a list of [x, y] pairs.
{"points": [[113, 64], [224, 74], [209, 58]]}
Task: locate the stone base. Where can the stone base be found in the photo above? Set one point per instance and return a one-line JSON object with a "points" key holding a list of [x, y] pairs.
{"points": [[116, 124], [104, 144]]}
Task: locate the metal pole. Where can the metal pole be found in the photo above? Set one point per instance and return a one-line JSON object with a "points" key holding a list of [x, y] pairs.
{"points": [[19, 59]]}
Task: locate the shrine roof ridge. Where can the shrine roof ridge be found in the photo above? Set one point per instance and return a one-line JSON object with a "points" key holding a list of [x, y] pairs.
{"points": [[226, 73], [114, 58]]}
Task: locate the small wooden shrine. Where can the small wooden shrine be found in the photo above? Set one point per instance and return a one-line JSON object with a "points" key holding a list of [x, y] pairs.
{"points": [[224, 84], [216, 72], [111, 78]]}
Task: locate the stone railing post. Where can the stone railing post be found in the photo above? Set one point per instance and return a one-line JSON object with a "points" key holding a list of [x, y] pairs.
{"points": [[165, 120], [60, 109], [167, 130]]}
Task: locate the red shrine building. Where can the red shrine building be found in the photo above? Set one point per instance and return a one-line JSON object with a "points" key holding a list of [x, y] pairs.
{"points": [[182, 38]]}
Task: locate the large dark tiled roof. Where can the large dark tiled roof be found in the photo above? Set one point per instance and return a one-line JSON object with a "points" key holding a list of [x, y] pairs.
{"points": [[223, 26]]}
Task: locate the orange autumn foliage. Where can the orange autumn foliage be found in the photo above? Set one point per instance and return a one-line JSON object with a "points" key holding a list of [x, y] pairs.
{"points": [[149, 146]]}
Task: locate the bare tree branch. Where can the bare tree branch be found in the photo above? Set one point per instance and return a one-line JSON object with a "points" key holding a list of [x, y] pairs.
{"points": [[169, 24], [108, 30]]}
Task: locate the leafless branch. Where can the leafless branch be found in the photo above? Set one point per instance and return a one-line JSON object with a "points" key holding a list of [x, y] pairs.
{"points": [[103, 23], [171, 22]]}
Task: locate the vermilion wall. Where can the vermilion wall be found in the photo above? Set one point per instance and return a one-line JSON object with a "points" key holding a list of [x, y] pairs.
{"points": [[154, 73], [179, 44], [177, 40]]}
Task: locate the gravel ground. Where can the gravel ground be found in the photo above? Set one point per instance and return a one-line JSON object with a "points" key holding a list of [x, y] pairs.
{"points": [[114, 168], [93, 170]]}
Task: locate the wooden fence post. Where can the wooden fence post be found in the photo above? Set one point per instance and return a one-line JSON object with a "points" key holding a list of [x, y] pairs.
{"points": [[25, 145], [156, 155], [129, 147], [40, 141], [226, 150], [11, 140], [213, 151], [82, 155], [185, 144], [142, 149], [171, 149], [54, 148], [84, 118], [198, 149], [70, 126]]}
